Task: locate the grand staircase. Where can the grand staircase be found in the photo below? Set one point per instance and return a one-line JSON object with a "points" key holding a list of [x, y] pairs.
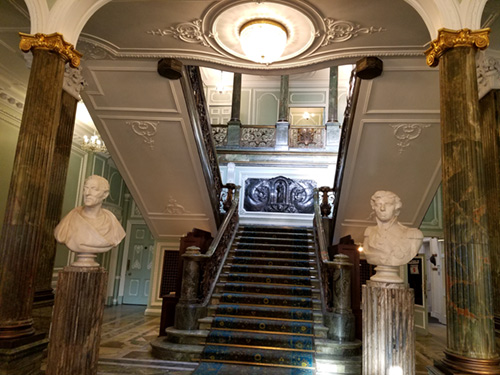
{"points": [[265, 305], [265, 315]]}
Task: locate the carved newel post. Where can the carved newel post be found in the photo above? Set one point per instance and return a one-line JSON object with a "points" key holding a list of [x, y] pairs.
{"points": [[388, 317], [188, 310], [341, 327], [81, 287]]}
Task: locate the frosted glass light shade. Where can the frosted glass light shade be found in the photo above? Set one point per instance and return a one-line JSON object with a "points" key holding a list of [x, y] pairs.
{"points": [[263, 40]]}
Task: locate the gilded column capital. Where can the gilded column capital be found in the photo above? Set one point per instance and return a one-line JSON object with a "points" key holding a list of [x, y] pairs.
{"points": [[456, 38], [53, 42]]}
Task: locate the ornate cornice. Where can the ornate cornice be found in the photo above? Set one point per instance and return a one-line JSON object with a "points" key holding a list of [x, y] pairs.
{"points": [[52, 42], [448, 39]]}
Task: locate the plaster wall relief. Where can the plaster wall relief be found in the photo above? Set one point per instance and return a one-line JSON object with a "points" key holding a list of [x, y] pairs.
{"points": [[189, 32], [174, 208], [406, 133], [340, 31], [279, 194], [144, 129]]}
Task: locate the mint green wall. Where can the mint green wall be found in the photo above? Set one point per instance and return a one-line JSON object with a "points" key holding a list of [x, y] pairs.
{"points": [[432, 224], [8, 142]]}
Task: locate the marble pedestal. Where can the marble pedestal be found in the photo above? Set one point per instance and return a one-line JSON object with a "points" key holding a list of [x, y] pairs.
{"points": [[388, 329], [77, 320]]}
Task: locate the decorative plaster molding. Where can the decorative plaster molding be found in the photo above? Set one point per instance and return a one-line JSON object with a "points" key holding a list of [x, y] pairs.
{"points": [[73, 81], [405, 133], [488, 73], [92, 50], [145, 129], [189, 32], [341, 31], [174, 208]]}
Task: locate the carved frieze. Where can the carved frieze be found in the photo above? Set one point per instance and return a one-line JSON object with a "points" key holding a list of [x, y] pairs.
{"points": [[258, 137], [279, 194], [307, 137]]}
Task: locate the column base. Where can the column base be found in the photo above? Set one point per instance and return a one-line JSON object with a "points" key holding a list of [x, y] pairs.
{"points": [[453, 364], [23, 328], [22, 356]]}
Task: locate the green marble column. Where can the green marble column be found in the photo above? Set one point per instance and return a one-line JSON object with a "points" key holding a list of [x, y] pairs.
{"points": [[21, 239], [283, 109], [236, 100], [490, 134], [234, 125], [470, 330], [333, 94]]}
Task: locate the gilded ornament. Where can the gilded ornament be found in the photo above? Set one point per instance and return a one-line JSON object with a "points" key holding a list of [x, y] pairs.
{"points": [[450, 38], [52, 42]]}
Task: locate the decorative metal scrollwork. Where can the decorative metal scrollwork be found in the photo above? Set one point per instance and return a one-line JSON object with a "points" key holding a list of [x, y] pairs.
{"points": [[279, 194]]}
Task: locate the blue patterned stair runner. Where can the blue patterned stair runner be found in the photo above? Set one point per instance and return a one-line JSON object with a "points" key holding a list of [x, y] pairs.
{"points": [[263, 323]]}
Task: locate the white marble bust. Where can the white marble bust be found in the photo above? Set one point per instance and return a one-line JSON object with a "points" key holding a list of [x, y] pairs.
{"points": [[390, 243], [90, 229]]}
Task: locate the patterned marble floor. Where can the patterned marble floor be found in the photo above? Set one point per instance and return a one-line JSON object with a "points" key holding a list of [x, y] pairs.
{"points": [[127, 332]]}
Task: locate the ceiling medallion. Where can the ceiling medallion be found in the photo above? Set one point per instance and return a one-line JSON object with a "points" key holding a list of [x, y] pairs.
{"points": [[293, 25]]}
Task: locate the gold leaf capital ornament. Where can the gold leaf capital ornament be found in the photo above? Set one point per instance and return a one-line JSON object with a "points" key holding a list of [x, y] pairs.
{"points": [[52, 42], [456, 38]]}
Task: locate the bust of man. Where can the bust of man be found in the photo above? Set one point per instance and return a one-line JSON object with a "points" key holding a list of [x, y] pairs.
{"points": [[90, 229], [390, 243]]}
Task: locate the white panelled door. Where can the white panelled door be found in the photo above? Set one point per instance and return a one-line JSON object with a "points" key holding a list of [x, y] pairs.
{"points": [[139, 263]]}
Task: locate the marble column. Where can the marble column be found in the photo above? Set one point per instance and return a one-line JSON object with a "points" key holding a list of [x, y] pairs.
{"points": [[234, 125], [21, 237], [490, 134], [282, 125], [73, 83], [470, 329], [332, 124]]}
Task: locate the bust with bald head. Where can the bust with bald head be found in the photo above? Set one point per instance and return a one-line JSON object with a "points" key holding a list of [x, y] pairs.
{"points": [[90, 229]]}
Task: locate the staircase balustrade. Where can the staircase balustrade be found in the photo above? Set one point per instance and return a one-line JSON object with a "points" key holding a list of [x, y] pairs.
{"points": [[201, 271], [192, 87]]}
